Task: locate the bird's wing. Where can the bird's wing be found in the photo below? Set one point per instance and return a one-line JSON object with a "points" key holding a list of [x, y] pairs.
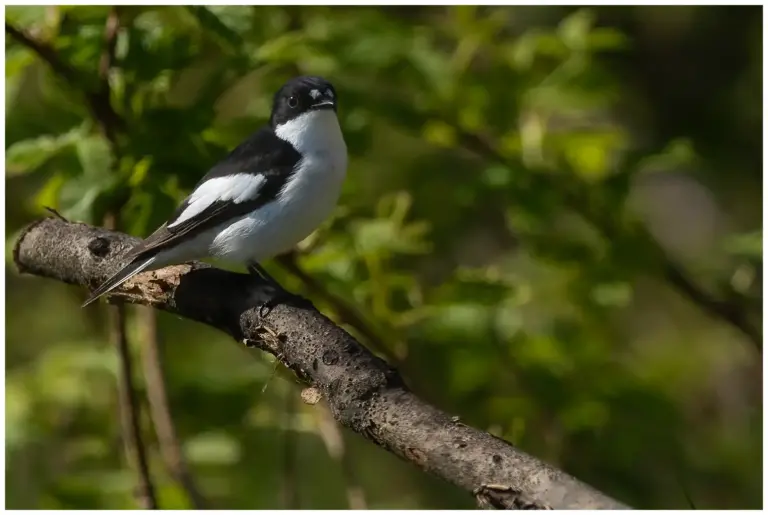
{"points": [[251, 176]]}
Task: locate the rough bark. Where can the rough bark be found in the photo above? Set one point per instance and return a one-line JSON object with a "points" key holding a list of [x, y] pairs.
{"points": [[363, 392]]}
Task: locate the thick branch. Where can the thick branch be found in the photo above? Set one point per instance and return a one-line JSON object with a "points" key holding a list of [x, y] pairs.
{"points": [[362, 391]]}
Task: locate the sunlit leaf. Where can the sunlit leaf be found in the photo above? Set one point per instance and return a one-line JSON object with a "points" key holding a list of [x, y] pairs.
{"points": [[27, 155]]}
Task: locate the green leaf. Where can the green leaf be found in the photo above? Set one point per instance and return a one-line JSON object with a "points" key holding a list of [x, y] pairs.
{"points": [[26, 15], [440, 133], [213, 448], [16, 60], [95, 156], [613, 294], [574, 30], [606, 38], [748, 245], [28, 155]]}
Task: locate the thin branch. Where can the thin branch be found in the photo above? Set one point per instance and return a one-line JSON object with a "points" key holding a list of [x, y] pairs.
{"points": [[333, 439], [130, 412], [105, 114], [129, 404], [170, 449], [45, 52], [98, 103], [291, 499], [483, 146], [111, 30], [729, 312], [363, 392], [347, 314]]}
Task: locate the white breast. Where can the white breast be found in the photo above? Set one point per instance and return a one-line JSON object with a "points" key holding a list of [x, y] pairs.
{"points": [[306, 200]]}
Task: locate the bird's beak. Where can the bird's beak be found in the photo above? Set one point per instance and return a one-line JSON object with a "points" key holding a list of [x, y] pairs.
{"points": [[323, 103]]}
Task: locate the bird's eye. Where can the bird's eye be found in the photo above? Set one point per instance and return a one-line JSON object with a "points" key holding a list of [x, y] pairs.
{"points": [[293, 102]]}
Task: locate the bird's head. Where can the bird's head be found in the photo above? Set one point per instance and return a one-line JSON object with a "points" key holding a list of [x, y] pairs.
{"points": [[302, 95], [304, 114]]}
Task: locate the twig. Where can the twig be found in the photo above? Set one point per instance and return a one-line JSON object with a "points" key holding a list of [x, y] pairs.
{"points": [[363, 392], [55, 213], [728, 311], [333, 439], [170, 449]]}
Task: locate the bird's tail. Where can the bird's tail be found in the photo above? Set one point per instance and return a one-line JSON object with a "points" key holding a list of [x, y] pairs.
{"points": [[120, 277]]}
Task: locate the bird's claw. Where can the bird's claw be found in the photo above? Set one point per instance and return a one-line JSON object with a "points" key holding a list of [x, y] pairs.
{"points": [[283, 297], [266, 308]]}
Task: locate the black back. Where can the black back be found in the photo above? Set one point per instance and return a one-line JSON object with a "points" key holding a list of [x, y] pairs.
{"points": [[263, 153]]}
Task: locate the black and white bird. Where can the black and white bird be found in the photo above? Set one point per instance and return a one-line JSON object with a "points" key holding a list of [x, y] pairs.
{"points": [[267, 195]]}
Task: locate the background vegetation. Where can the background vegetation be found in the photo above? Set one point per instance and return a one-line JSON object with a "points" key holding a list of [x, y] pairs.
{"points": [[551, 222]]}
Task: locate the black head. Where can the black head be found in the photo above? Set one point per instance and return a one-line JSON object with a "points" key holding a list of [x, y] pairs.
{"points": [[299, 95]]}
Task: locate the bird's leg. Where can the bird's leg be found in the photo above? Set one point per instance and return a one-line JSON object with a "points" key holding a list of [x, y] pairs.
{"points": [[256, 269], [279, 295]]}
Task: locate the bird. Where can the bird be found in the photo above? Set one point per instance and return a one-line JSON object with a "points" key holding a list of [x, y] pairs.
{"points": [[268, 194]]}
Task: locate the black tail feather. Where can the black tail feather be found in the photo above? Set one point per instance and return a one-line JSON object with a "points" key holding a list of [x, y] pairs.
{"points": [[119, 278]]}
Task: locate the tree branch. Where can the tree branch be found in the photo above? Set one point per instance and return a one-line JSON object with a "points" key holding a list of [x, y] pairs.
{"points": [[730, 312], [363, 392], [45, 52], [170, 449], [483, 146], [347, 314], [129, 412], [130, 409], [128, 404], [291, 490], [97, 101], [108, 119], [333, 439]]}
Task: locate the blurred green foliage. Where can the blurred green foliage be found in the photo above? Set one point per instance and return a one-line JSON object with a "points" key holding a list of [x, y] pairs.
{"points": [[519, 178]]}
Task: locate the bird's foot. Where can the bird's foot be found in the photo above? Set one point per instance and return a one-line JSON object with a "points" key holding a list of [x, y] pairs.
{"points": [[258, 270], [281, 296]]}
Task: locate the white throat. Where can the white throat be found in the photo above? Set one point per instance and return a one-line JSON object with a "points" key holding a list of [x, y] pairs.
{"points": [[314, 134]]}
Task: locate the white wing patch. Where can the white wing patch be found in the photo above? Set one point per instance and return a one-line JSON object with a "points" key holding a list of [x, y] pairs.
{"points": [[315, 93], [238, 188], [329, 93]]}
